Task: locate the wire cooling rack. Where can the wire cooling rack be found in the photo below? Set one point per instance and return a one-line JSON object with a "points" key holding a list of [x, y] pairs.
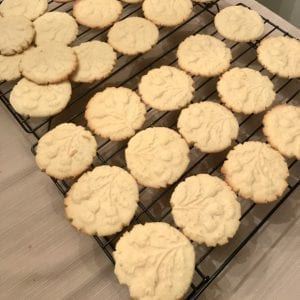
{"points": [[154, 204]]}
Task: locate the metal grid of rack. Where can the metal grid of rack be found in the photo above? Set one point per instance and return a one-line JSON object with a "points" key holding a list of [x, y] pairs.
{"points": [[154, 204]]}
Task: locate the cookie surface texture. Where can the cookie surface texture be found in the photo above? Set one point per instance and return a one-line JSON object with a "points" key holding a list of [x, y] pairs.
{"points": [[156, 261], [133, 35], [55, 27], [9, 67], [31, 9], [167, 12], [157, 157], [203, 55], [282, 128], [96, 61], [280, 56], [66, 151], [31, 99], [209, 126], [97, 13], [256, 171], [166, 88], [115, 113], [206, 209], [16, 34], [240, 24], [49, 63], [246, 91], [102, 201]]}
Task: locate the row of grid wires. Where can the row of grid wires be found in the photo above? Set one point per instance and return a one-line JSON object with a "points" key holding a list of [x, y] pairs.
{"points": [[154, 204]]}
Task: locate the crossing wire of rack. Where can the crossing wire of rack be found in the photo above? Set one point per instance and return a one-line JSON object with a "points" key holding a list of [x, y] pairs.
{"points": [[154, 204]]}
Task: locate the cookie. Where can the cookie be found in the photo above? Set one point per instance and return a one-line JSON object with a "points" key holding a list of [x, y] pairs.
{"points": [[97, 13], [132, 1], [55, 27], [209, 126], [66, 151], [96, 61], [282, 128], [102, 201], [166, 88], [30, 99], [206, 209], [156, 261], [115, 113], [281, 56], [167, 12], [203, 55], [16, 34], [133, 35], [256, 171], [49, 63], [246, 91], [239, 24], [157, 157], [203, 1], [9, 67], [62, 1], [31, 9]]}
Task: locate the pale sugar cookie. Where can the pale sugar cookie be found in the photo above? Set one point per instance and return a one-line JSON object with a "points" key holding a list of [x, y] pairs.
{"points": [[240, 24], [157, 157], [206, 209], [203, 1], [16, 34], [246, 91], [115, 113], [256, 171], [167, 12], [31, 9], [102, 201], [49, 63], [282, 128], [133, 35], [31, 99], [132, 1], [203, 55], [97, 13], [281, 56], [55, 27], [209, 126], [66, 151], [96, 60], [9, 67], [156, 261], [166, 88]]}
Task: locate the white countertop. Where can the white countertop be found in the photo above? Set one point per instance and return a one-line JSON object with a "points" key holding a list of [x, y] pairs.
{"points": [[43, 257]]}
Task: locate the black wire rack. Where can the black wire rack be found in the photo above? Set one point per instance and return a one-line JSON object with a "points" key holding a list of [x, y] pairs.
{"points": [[154, 204]]}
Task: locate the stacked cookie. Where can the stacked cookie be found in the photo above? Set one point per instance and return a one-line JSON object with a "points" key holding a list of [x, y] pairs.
{"points": [[155, 260]]}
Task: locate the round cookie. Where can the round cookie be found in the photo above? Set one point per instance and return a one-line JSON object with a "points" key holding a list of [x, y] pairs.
{"points": [[206, 209], [49, 63], [102, 201], [209, 126], [281, 56], [246, 91], [156, 261], [31, 99], [66, 151], [157, 157], [282, 129], [97, 13], [16, 34], [96, 61], [133, 35], [9, 67], [115, 113], [203, 55], [55, 27], [132, 1], [167, 12], [31, 9], [239, 24], [255, 171], [166, 88]]}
